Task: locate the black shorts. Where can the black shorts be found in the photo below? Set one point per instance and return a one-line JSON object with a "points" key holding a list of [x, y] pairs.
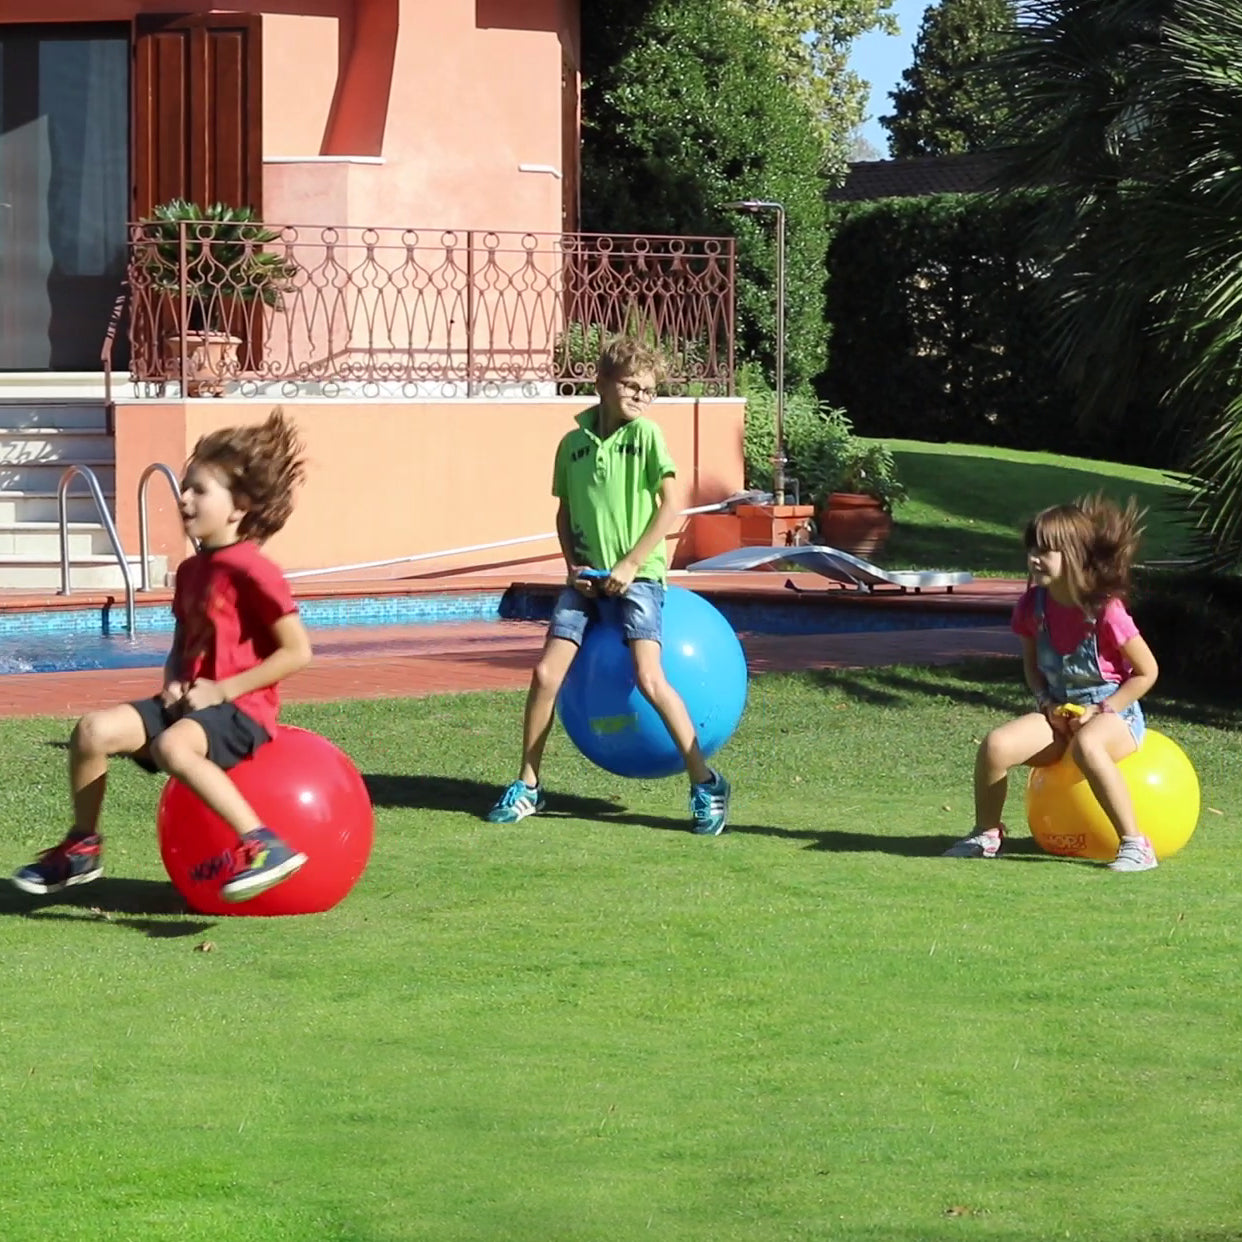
{"points": [[231, 735]]}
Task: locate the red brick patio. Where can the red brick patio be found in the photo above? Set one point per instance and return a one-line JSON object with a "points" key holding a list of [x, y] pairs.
{"points": [[444, 659]]}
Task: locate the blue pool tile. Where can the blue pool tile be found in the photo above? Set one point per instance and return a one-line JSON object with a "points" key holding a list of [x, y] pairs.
{"points": [[94, 638]]}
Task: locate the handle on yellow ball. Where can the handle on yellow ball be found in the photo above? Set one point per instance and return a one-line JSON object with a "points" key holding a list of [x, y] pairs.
{"points": [[1070, 709]]}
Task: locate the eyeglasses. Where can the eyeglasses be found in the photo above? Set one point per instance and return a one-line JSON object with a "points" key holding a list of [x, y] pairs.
{"points": [[631, 389]]}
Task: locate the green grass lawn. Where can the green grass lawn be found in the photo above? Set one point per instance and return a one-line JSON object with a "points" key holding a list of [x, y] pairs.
{"points": [[595, 1027], [969, 503]]}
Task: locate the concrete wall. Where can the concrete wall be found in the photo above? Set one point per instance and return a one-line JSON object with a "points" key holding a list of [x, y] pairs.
{"points": [[392, 479]]}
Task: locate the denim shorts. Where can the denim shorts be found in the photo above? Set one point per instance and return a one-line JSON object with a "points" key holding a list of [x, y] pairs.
{"points": [[1135, 722], [639, 612], [1132, 717]]}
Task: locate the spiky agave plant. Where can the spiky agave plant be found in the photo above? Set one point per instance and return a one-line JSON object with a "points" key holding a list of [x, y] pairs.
{"points": [[224, 253]]}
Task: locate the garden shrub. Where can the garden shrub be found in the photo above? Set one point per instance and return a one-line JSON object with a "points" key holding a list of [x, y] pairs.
{"points": [[937, 331], [1192, 620]]}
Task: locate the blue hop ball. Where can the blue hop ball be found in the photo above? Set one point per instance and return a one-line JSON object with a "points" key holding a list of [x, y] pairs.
{"points": [[613, 725]]}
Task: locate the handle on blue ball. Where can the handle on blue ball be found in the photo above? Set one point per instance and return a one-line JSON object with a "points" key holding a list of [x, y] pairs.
{"points": [[594, 573]]}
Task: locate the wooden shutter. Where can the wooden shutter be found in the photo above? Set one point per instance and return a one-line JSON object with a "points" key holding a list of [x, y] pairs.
{"points": [[197, 114], [570, 145]]}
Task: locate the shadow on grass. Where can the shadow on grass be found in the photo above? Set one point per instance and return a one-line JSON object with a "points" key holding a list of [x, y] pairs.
{"points": [[980, 495], [1011, 492], [833, 841], [996, 684], [430, 792], [452, 793], [122, 903], [893, 685], [1192, 705], [921, 545]]}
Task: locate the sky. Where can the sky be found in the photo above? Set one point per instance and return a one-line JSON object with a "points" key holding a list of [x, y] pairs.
{"points": [[880, 59]]}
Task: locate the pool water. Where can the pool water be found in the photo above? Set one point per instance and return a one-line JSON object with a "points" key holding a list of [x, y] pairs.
{"points": [[82, 639], [62, 653]]}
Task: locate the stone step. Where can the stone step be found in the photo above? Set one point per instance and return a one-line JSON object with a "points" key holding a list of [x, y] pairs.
{"points": [[41, 540], [73, 387], [86, 573], [22, 413], [44, 476], [23, 506], [30, 445]]}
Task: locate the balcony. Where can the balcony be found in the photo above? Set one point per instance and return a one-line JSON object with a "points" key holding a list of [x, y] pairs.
{"points": [[365, 313]]}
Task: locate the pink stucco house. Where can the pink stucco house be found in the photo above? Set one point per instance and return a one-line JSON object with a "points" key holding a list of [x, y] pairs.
{"points": [[414, 164]]}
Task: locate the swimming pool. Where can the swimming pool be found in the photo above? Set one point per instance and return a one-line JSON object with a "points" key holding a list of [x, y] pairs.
{"points": [[65, 640]]}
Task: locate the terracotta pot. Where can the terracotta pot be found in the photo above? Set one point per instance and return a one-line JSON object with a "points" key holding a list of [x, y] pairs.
{"points": [[244, 318], [210, 360], [855, 523]]}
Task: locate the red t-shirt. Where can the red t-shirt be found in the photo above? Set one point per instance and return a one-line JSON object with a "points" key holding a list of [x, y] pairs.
{"points": [[226, 601], [1068, 626]]}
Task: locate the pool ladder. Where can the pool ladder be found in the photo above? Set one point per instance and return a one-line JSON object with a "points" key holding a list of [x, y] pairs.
{"points": [[101, 507]]}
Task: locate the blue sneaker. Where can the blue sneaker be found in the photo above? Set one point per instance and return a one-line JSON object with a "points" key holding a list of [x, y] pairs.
{"points": [[261, 861], [516, 803], [709, 806], [76, 860]]}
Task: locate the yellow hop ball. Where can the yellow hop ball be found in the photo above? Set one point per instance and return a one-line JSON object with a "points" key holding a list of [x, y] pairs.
{"points": [[1065, 818]]}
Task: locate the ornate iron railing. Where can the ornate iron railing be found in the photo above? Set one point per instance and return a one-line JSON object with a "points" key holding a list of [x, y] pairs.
{"points": [[402, 312]]}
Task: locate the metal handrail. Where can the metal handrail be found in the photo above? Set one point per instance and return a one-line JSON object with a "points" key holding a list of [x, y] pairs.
{"points": [[62, 501], [144, 542]]}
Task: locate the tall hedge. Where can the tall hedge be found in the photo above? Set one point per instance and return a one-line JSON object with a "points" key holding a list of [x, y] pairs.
{"points": [[937, 330]]}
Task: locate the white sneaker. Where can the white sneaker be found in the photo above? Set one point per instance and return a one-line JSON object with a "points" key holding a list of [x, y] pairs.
{"points": [[985, 844], [1135, 854]]}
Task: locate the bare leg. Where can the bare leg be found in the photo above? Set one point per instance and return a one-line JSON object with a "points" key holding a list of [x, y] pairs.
{"points": [[649, 674], [1028, 739], [1096, 749], [96, 737], [181, 751], [545, 685]]}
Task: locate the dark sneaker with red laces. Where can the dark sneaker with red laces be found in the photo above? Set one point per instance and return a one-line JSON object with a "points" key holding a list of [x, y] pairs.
{"points": [[261, 861], [76, 860]]}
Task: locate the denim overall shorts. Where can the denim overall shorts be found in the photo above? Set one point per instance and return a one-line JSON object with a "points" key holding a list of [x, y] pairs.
{"points": [[1076, 678]]}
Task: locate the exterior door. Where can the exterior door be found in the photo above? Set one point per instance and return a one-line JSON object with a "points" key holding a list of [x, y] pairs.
{"points": [[197, 116], [198, 101], [64, 191]]}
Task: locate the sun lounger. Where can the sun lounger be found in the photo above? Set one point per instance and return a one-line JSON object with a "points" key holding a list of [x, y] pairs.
{"points": [[832, 563]]}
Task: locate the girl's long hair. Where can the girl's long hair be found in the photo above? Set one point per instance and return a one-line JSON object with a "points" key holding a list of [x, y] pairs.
{"points": [[261, 466], [1098, 541]]}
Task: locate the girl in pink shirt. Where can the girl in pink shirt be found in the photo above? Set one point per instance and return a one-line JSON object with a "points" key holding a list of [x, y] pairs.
{"points": [[1087, 666]]}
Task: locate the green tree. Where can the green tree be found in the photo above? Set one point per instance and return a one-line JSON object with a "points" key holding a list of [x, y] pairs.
{"points": [[812, 40], [949, 100], [1132, 111], [685, 107]]}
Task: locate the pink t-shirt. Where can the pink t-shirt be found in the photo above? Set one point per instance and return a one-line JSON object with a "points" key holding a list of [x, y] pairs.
{"points": [[1068, 626]]}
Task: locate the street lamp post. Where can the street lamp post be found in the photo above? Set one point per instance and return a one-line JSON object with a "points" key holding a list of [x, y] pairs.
{"points": [[757, 207]]}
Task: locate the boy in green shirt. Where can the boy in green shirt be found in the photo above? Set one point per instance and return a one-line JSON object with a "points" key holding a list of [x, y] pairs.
{"points": [[619, 499]]}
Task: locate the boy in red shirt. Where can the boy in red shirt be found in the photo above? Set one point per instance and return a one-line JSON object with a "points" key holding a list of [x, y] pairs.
{"points": [[238, 635]]}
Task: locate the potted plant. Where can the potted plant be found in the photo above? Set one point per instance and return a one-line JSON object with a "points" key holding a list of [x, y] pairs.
{"points": [[207, 279], [856, 510]]}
